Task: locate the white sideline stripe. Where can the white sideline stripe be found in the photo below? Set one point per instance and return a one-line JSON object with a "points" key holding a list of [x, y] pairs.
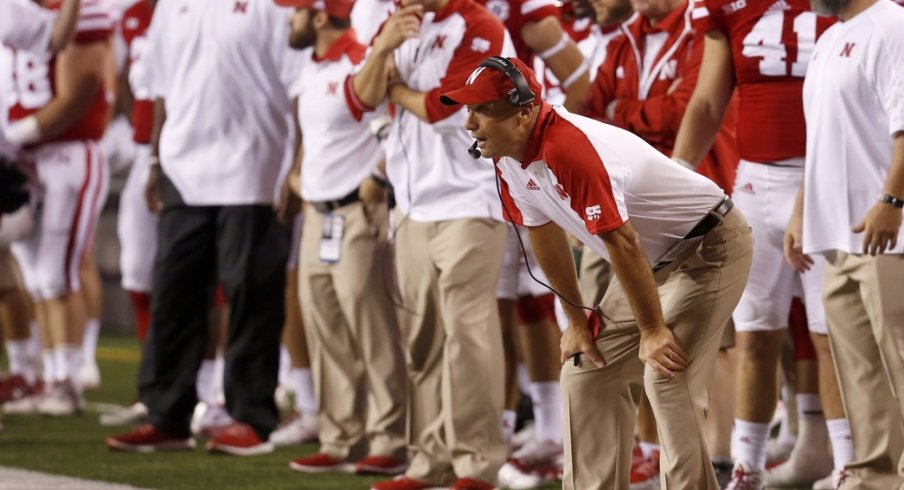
{"points": [[16, 479]]}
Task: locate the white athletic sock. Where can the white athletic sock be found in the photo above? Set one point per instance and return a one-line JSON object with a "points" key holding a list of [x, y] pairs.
{"points": [[89, 342], [285, 366], [509, 418], [204, 384], [219, 386], [811, 428], [59, 363], [20, 359], [647, 448], [48, 364], [523, 378], [67, 362], [74, 358], [842, 443], [750, 442], [808, 405], [303, 382], [547, 398]]}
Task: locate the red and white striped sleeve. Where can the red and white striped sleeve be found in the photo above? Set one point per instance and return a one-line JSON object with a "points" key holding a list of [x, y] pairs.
{"points": [[579, 168], [95, 22], [701, 18]]}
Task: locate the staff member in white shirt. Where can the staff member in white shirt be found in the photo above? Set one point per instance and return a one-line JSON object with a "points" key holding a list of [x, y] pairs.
{"points": [[632, 205], [854, 107], [449, 239], [357, 362], [220, 72]]}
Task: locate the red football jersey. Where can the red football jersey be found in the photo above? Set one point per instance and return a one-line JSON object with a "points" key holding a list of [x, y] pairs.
{"points": [[135, 22], [34, 77], [771, 44], [516, 13]]}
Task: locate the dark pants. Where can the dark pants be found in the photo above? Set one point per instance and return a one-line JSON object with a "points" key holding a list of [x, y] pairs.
{"points": [[245, 249]]}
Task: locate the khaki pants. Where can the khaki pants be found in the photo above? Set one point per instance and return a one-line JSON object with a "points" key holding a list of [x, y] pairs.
{"points": [[595, 276], [865, 311], [697, 296], [448, 272], [356, 356]]}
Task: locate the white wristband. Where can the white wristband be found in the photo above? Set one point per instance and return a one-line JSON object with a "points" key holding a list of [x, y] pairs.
{"points": [[559, 46], [24, 131], [575, 75]]}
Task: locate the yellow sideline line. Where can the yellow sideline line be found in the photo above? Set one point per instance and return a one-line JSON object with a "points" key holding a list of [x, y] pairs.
{"points": [[117, 354]]}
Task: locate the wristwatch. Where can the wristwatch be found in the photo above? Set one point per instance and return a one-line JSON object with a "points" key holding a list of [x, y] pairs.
{"points": [[891, 200]]}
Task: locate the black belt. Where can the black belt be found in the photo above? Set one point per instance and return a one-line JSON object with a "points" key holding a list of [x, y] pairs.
{"points": [[327, 206], [712, 218]]}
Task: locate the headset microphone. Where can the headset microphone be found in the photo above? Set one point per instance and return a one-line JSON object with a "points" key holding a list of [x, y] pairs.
{"points": [[474, 151]]}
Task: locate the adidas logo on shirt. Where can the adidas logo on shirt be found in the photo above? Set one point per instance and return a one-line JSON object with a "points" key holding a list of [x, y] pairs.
{"points": [[532, 186]]}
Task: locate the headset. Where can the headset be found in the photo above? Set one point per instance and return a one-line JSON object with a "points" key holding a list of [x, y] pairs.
{"points": [[522, 96]]}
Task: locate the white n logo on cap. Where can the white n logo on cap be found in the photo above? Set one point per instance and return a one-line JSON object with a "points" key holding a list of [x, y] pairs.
{"points": [[474, 75]]}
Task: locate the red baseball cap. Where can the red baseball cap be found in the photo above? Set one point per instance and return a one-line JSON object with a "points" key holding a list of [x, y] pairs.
{"points": [[340, 9], [488, 84]]}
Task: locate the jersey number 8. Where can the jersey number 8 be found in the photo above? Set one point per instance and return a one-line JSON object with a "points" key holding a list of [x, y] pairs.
{"points": [[768, 40], [31, 82]]}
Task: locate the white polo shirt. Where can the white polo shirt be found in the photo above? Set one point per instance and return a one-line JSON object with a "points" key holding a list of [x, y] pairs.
{"points": [[25, 26], [223, 68], [427, 162], [339, 151], [589, 177], [853, 104]]}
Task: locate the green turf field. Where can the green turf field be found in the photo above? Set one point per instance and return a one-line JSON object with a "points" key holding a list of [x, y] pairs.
{"points": [[74, 446]]}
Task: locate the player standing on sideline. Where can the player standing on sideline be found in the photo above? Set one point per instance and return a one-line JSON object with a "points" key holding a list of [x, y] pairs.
{"points": [[357, 364], [848, 210], [449, 239], [57, 111], [763, 48], [606, 187]]}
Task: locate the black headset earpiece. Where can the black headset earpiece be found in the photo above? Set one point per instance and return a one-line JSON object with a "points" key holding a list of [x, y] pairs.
{"points": [[522, 95]]}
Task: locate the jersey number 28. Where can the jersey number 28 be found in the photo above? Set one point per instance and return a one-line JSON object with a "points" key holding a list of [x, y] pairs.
{"points": [[769, 41]]}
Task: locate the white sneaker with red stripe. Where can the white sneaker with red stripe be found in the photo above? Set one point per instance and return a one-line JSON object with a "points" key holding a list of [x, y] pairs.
{"points": [[745, 477]]}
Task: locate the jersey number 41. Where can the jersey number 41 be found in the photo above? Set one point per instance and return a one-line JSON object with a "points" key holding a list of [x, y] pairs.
{"points": [[770, 40]]}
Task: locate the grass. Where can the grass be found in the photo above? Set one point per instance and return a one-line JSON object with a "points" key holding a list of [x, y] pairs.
{"points": [[74, 446]]}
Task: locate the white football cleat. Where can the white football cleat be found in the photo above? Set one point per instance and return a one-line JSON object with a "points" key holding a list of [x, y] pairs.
{"points": [[297, 428], [89, 375], [208, 418], [745, 477]]}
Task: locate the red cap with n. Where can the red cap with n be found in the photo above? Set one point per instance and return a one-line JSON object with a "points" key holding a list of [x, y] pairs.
{"points": [[340, 9], [495, 78]]}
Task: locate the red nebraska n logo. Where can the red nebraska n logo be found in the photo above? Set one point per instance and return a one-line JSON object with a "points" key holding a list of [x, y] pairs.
{"points": [[240, 7], [846, 50], [331, 88], [438, 42]]}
